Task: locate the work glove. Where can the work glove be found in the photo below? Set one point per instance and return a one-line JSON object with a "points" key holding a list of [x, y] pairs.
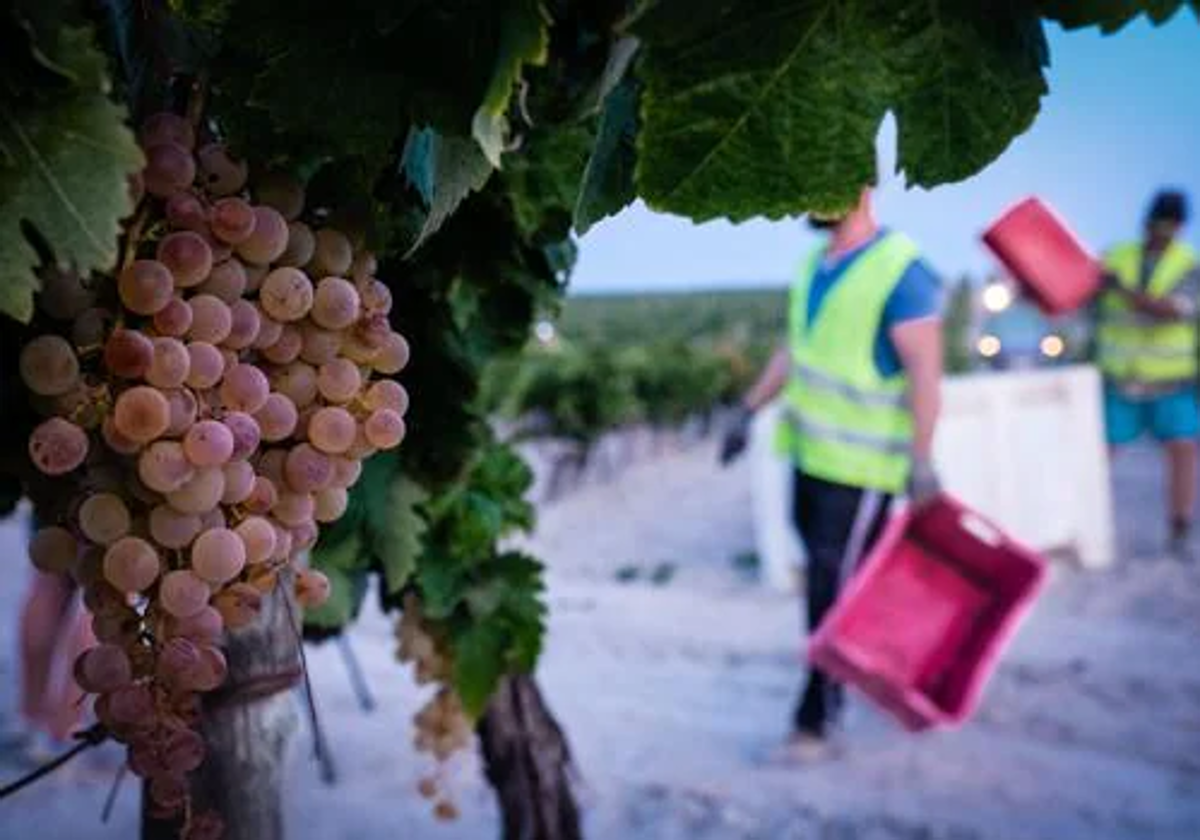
{"points": [[737, 436], [924, 486]]}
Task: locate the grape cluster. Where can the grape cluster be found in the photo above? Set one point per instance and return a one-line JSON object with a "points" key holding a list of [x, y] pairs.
{"points": [[442, 726], [206, 408]]}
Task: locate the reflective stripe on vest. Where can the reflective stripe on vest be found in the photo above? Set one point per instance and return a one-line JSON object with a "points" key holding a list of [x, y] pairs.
{"points": [[843, 421], [1132, 346]]}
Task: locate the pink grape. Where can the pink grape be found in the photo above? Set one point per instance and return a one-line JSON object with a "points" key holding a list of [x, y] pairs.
{"points": [[332, 430], [174, 319], [219, 172], [226, 282], [183, 408], [304, 535], [294, 508], [300, 247], [172, 529], [282, 192], [333, 254], [318, 346], [182, 594], [376, 298], [131, 705], [102, 669], [187, 255], [364, 266], [166, 127], [239, 604], [142, 414], [214, 668], [307, 469], [186, 212], [286, 294], [91, 327], [246, 434], [206, 365], [269, 330], [169, 169], [393, 356], [345, 471], [384, 428], [277, 418], [116, 441], [387, 393], [245, 388], [209, 443], [269, 239], [128, 354], [244, 325], [214, 518], [255, 275], [201, 494], [104, 518], [48, 365], [57, 446], [239, 482], [131, 564], [263, 496], [330, 504], [53, 550], [211, 320], [163, 467], [205, 626], [218, 555], [258, 538], [312, 588], [287, 347], [232, 220], [335, 303], [170, 365], [145, 286], [270, 465], [297, 381], [339, 380], [283, 543]]}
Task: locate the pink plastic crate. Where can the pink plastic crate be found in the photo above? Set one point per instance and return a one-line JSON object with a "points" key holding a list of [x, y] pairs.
{"points": [[1044, 256], [920, 626]]}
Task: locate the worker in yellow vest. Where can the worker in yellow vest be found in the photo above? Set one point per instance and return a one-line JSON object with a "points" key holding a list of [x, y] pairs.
{"points": [[1146, 348], [860, 377]]}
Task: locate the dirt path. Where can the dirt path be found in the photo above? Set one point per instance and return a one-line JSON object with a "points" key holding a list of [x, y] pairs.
{"points": [[672, 691]]}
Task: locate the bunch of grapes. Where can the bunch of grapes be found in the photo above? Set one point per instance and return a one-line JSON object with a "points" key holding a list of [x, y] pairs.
{"points": [[206, 407], [442, 726]]}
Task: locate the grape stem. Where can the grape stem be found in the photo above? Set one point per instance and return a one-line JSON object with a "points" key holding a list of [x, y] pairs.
{"points": [[88, 738]]}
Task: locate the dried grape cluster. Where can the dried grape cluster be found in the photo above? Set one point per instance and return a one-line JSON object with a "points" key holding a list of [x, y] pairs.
{"points": [[206, 407], [442, 726]]}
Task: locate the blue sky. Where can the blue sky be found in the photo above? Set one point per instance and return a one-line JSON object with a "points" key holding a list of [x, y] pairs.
{"points": [[1121, 119]]}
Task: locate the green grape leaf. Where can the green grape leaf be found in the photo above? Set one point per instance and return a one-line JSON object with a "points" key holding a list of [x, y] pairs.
{"points": [[479, 663], [64, 160], [397, 538], [966, 84], [445, 170], [1109, 15], [524, 39], [543, 182], [754, 108], [608, 179]]}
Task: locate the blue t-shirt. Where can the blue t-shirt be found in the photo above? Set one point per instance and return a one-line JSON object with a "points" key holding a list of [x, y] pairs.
{"points": [[917, 295]]}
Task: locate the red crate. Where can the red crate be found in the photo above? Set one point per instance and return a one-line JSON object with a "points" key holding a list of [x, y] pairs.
{"points": [[920, 626], [1044, 256]]}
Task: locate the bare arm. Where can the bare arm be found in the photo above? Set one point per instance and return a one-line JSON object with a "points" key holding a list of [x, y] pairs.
{"points": [[770, 382], [919, 345], [1180, 305]]}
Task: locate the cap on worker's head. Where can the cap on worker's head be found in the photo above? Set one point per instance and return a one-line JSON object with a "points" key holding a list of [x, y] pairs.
{"points": [[1168, 206]]}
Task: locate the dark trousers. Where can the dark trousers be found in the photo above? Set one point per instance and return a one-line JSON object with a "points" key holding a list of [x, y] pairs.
{"points": [[838, 525]]}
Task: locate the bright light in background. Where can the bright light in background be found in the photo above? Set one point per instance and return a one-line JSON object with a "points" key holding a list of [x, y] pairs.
{"points": [[988, 346], [1052, 346], [997, 297], [544, 332]]}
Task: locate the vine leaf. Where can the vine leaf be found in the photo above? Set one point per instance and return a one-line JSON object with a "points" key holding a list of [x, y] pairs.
{"points": [[1109, 15], [524, 39], [396, 530], [444, 170], [608, 179], [63, 168], [479, 663], [770, 109]]}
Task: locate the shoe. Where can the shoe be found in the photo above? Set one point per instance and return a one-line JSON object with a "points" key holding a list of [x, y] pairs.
{"points": [[804, 748], [1179, 547]]}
